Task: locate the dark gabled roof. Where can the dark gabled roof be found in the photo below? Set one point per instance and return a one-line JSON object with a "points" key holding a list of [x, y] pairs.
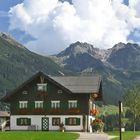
{"points": [[80, 84], [71, 84], [8, 95]]}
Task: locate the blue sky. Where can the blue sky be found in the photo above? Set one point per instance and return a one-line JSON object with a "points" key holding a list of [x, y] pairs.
{"points": [[5, 6], [68, 30]]}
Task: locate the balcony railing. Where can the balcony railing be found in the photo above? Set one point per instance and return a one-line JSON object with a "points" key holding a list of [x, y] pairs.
{"points": [[42, 94]]}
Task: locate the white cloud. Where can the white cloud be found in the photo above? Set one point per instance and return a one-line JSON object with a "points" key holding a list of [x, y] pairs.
{"points": [[55, 25]]}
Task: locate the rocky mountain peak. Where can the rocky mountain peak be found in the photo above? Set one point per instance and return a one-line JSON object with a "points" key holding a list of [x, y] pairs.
{"points": [[121, 45], [7, 37], [120, 56], [79, 48], [125, 56]]}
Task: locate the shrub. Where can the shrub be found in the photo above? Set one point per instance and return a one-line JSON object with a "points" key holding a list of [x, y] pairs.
{"points": [[97, 125]]}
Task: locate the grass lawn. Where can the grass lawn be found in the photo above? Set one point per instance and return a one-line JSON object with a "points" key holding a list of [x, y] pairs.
{"points": [[128, 135], [38, 136]]}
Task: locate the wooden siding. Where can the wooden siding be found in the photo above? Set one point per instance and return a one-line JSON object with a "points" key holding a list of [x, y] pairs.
{"points": [[52, 94]]}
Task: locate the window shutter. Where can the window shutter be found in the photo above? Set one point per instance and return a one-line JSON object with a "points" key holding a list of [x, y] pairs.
{"points": [[29, 121], [66, 121], [48, 105], [31, 105], [77, 121], [78, 104], [18, 121], [63, 105], [16, 104]]}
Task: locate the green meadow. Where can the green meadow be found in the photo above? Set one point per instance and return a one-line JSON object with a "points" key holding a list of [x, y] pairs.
{"points": [[128, 135], [38, 136]]}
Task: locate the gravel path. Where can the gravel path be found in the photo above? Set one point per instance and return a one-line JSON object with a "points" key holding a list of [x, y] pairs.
{"points": [[137, 138], [93, 136]]}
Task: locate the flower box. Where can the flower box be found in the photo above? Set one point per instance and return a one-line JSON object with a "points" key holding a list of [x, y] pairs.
{"points": [[23, 111], [73, 111], [38, 111], [55, 111]]}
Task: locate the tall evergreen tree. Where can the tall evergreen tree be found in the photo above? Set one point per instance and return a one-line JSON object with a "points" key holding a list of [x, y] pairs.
{"points": [[132, 100]]}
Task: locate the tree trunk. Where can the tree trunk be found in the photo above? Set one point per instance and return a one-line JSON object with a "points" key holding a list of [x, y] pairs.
{"points": [[134, 127], [134, 124]]}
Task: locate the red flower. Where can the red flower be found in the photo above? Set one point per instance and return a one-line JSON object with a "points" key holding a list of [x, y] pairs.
{"points": [[55, 111], [23, 111], [38, 111], [73, 111], [94, 112]]}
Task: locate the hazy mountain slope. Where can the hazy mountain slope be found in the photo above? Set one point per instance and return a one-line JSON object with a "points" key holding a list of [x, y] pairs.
{"points": [[17, 63]]}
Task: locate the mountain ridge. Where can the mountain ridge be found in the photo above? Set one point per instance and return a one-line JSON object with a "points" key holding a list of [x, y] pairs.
{"points": [[119, 65], [101, 54]]}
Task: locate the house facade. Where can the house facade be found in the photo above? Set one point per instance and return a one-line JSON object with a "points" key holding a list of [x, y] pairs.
{"points": [[43, 102]]}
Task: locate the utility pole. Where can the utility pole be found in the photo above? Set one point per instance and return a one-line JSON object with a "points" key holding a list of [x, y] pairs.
{"points": [[120, 124]]}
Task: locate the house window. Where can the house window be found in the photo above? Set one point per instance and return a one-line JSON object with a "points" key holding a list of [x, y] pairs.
{"points": [[59, 91], [38, 104], [72, 121], [72, 104], [56, 121], [42, 87], [23, 121], [55, 104], [23, 104], [24, 92]]}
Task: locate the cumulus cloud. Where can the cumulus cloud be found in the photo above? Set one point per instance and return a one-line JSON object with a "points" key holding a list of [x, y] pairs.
{"points": [[57, 24]]}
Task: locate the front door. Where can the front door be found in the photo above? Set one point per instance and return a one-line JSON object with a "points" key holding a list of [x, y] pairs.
{"points": [[45, 124]]}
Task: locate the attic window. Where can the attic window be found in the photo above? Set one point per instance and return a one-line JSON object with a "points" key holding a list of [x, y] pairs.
{"points": [[59, 91], [24, 92], [42, 87]]}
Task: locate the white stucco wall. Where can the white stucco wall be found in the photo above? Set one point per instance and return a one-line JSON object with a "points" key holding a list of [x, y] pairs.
{"points": [[90, 119], [37, 120]]}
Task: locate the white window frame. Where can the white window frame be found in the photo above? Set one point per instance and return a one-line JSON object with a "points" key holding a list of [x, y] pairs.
{"points": [[40, 86], [23, 104], [55, 104], [72, 103], [25, 92], [38, 104], [59, 91]]}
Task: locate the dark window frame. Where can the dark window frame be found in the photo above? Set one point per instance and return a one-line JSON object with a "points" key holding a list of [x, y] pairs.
{"points": [[23, 121], [72, 121], [56, 119]]}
